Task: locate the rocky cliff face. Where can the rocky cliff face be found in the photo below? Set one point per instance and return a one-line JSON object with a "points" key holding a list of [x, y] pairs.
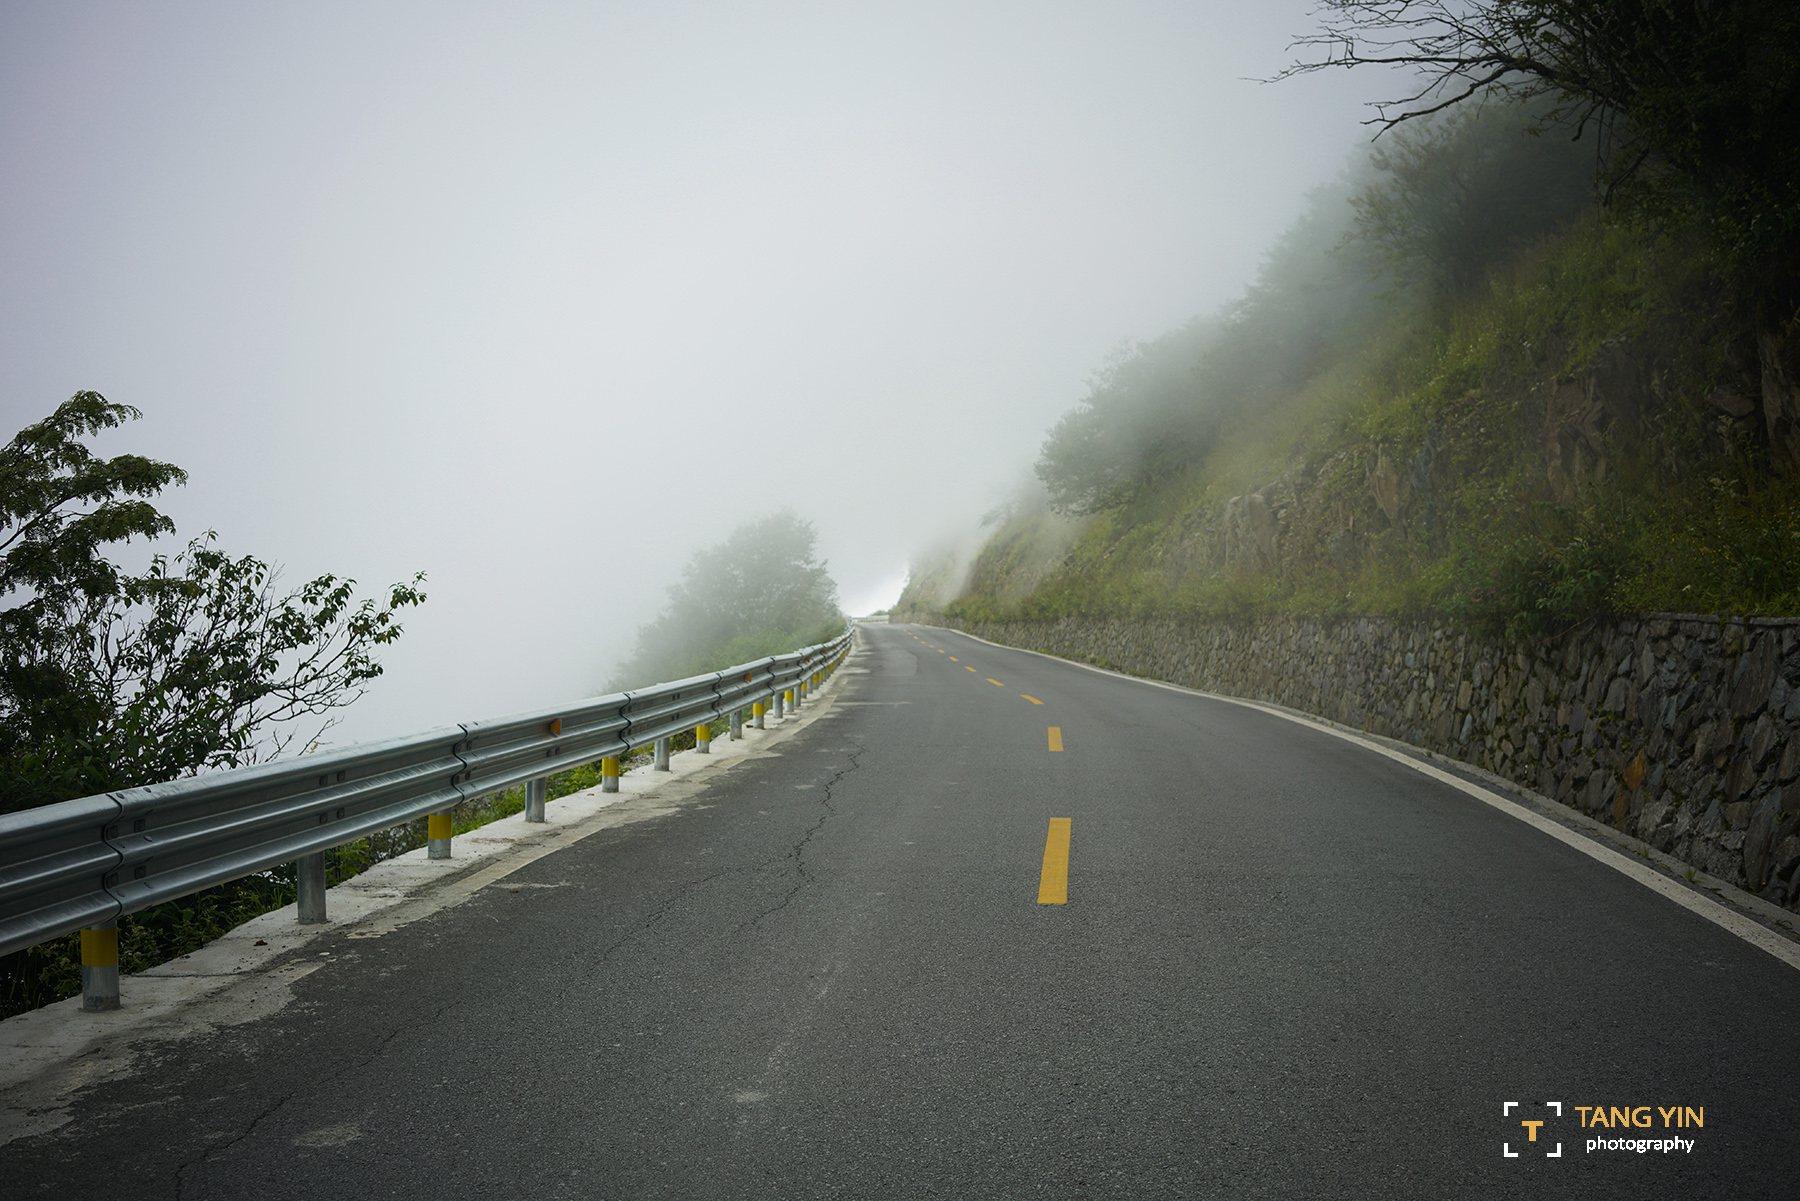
{"points": [[1683, 731], [1401, 498], [1560, 435]]}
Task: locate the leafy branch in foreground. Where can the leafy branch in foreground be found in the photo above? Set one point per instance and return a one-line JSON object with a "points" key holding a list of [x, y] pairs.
{"points": [[201, 657], [109, 679], [59, 503]]}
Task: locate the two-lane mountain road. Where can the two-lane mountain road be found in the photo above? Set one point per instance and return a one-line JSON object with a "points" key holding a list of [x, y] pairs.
{"points": [[998, 926]]}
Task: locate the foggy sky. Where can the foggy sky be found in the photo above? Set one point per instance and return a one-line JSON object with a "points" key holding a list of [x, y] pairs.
{"points": [[541, 298]]}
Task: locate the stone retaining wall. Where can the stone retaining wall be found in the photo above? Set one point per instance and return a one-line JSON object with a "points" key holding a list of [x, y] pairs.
{"points": [[1680, 730]]}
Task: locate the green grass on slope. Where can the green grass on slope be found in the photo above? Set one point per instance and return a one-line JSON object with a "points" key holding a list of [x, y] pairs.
{"points": [[1687, 516]]}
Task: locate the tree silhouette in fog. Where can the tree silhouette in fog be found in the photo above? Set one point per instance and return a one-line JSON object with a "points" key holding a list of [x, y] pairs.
{"points": [[760, 592]]}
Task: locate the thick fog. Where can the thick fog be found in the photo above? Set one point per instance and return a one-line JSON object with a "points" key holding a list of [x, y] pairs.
{"points": [[540, 299]]}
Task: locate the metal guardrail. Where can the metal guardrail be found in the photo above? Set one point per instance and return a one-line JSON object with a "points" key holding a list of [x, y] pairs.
{"points": [[82, 864]]}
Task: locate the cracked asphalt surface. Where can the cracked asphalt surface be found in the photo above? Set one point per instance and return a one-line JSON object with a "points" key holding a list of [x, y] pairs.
{"points": [[1287, 968]]}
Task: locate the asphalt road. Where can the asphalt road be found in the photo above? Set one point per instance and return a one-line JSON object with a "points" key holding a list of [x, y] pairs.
{"points": [[1286, 967]]}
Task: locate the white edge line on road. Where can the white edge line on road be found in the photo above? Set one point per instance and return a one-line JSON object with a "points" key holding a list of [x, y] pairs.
{"points": [[1713, 911]]}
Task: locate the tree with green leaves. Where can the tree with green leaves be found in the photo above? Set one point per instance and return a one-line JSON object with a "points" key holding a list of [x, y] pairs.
{"points": [[110, 679], [1142, 416], [1456, 194], [762, 591]]}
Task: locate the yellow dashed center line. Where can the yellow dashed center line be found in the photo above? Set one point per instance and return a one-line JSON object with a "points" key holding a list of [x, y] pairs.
{"points": [[1056, 738], [995, 683], [953, 658], [966, 667], [1053, 883], [1034, 700]]}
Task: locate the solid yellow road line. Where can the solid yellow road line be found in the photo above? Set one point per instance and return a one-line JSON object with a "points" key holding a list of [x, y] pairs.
{"points": [[1056, 738], [1034, 700], [1053, 884], [995, 683]]}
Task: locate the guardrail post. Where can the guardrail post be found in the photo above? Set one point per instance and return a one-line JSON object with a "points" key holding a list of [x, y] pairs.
{"points": [[661, 760], [781, 700], [756, 711], [100, 967], [437, 833], [309, 887], [737, 724], [609, 775], [703, 740], [535, 792]]}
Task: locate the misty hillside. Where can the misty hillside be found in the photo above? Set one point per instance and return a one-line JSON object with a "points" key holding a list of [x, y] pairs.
{"points": [[1460, 385]]}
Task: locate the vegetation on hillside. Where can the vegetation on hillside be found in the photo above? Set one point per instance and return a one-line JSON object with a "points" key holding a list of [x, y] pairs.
{"points": [[1461, 385], [1694, 106]]}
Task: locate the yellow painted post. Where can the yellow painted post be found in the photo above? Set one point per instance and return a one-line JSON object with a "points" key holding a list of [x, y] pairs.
{"points": [[703, 739], [609, 775], [437, 832], [100, 967], [756, 711]]}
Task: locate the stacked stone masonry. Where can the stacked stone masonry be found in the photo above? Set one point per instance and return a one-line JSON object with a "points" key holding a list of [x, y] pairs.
{"points": [[1677, 729]]}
